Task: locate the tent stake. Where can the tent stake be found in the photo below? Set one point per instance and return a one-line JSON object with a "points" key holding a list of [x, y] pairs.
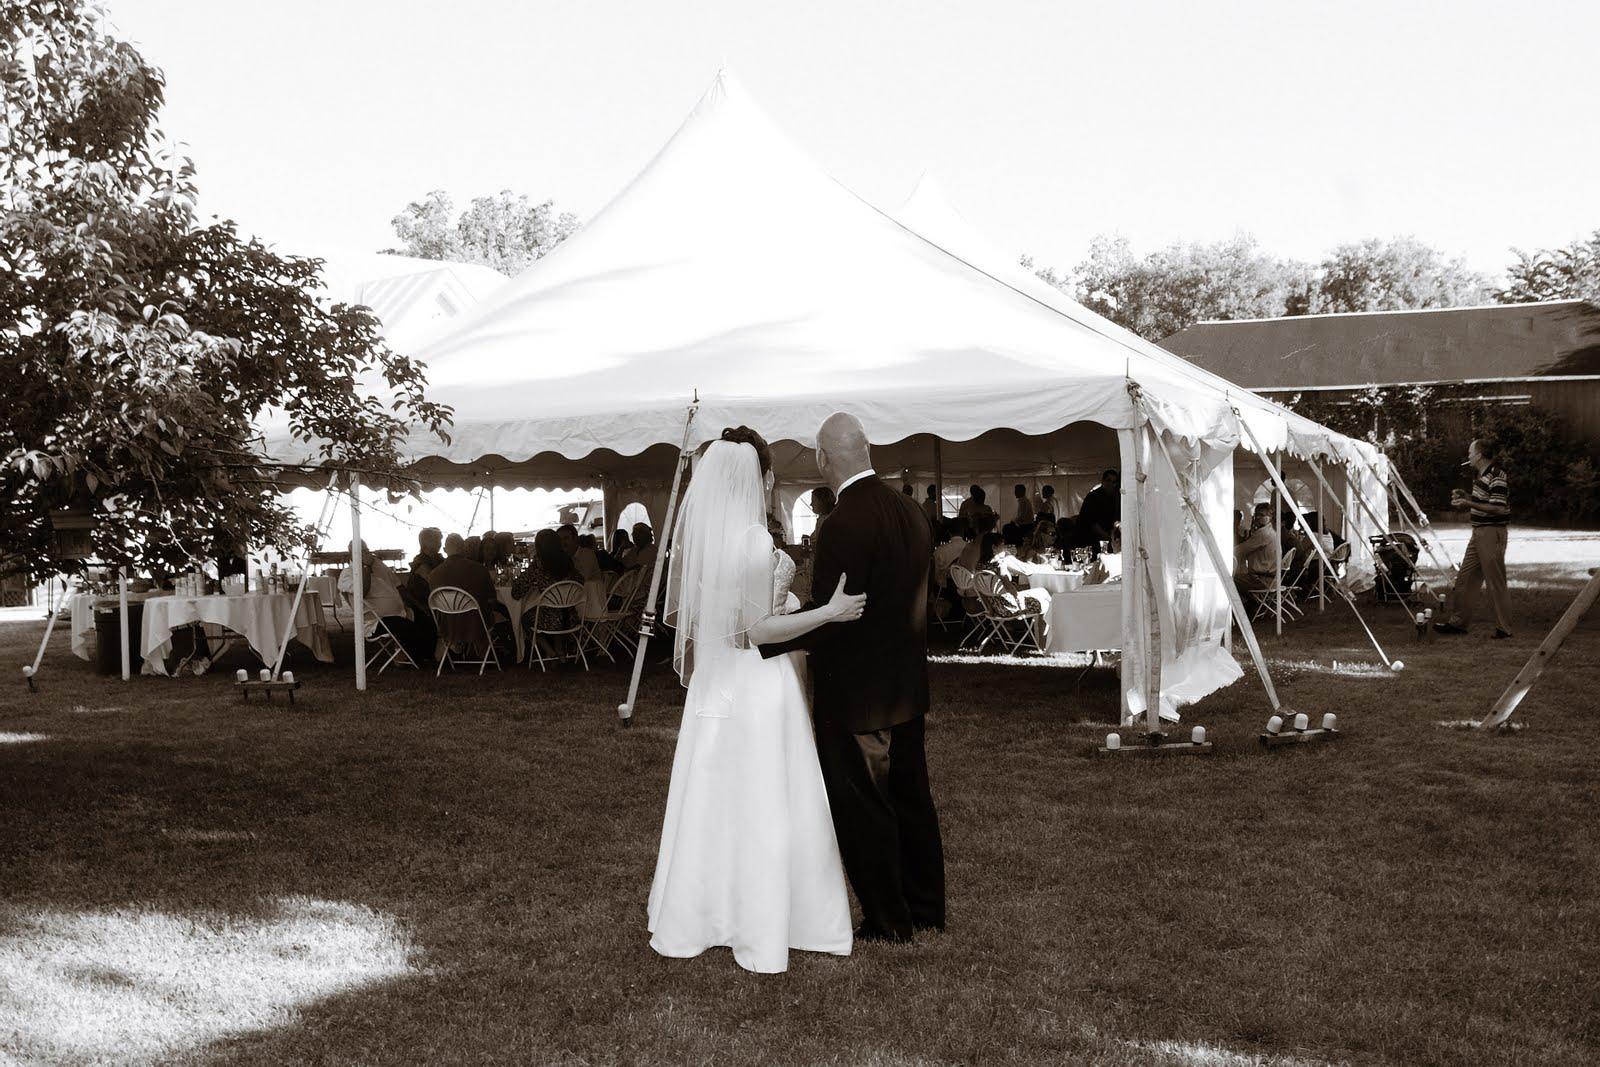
{"points": [[1500, 717], [648, 621]]}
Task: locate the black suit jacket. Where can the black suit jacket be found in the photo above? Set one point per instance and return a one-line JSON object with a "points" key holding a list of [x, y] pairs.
{"points": [[871, 674]]}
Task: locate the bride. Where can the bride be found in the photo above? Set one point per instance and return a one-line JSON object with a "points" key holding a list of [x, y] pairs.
{"points": [[748, 858]]}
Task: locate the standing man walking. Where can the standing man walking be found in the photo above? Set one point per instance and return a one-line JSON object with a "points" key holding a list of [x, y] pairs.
{"points": [[1485, 560]]}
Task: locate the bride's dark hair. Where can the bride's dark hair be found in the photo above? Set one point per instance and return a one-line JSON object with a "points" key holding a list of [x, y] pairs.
{"points": [[746, 436]]}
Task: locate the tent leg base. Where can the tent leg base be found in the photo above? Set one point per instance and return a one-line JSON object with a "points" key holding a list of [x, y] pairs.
{"points": [[1157, 745], [1298, 737]]}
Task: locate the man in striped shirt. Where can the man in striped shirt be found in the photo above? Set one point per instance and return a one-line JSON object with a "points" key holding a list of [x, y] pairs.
{"points": [[1485, 561]]}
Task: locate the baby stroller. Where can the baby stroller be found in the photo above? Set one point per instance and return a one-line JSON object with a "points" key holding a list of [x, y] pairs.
{"points": [[1396, 554]]}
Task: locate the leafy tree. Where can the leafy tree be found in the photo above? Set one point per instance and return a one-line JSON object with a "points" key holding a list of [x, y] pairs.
{"points": [[1393, 275], [506, 232], [1571, 273], [142, 347], [1163, 292]]}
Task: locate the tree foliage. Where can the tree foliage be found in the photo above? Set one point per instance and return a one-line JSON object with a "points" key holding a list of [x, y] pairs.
{"points": [[1394, 275], [142, 347], [506, 232], [1571, 273]]}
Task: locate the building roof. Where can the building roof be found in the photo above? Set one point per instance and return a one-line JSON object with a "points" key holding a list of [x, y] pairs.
{"points": [[1497, 341]]}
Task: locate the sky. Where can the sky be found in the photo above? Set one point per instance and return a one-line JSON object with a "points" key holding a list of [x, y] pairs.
{"points": [[1466, 124]]}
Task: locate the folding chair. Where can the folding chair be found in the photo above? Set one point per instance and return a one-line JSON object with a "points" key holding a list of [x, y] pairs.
{"points": [[560, 596], [608, 626], [1006, 611], [1267, 599], [453, 609], [382, 644], [980, 627]]}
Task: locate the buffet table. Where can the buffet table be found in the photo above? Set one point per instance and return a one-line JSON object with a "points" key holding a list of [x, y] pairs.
{"points": [[260, 618]]}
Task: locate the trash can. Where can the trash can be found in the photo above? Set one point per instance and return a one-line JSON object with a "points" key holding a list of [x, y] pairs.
{"points": [[106, 624]]}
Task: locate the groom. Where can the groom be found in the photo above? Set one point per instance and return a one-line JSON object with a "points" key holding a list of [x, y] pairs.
{"points": [[870, 683]]}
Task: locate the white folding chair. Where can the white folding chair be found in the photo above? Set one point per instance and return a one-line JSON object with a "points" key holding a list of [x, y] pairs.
{"points": [[450, 603], [383, 647], [979, 626], [561, 596], [607, 627], [1268, 599], [1016, 620]]}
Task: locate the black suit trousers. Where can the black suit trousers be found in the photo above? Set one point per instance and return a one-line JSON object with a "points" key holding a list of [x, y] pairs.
{"points": [[887, 828]]}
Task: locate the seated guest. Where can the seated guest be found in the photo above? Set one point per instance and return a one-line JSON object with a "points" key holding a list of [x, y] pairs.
{"points": [[464, 570], [621, 546], [973, 556], [428, 554], [1023, 517], [489, 551], [1258, 557], [947, 550], [550, 564], [508, 545], [1101, 512], [1044, 502], [383, 595], [644, 554], [1042, 541]]}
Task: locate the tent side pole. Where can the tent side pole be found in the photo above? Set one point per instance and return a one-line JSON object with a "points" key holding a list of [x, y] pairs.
{"points": [[122, 610], [1277, 532], [1322, 571], [648, 621], [358, 600], [300, 590], [938, 475], [1146, 591], [1422, 519], [49, 625]]}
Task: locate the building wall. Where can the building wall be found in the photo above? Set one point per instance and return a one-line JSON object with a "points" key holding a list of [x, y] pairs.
{"points": [[1578, 401]]}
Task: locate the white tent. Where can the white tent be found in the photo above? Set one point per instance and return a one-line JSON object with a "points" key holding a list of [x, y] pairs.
{"points": [[734, 279], [1356, 472], [416, 300]]}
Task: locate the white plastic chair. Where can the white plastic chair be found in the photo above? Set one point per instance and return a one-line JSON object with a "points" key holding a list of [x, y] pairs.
{"points": [[558, 597], [382, 644], [450, 601]]}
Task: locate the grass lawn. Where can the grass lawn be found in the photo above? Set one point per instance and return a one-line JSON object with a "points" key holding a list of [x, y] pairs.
{"points": [[456, 871]]}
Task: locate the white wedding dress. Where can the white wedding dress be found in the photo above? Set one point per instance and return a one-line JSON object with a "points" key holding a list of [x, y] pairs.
{"points": [[748, 858]]}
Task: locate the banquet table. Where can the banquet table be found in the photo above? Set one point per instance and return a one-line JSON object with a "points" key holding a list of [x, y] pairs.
{"points": [[260, 618], [80, 606], [1083, 619]]}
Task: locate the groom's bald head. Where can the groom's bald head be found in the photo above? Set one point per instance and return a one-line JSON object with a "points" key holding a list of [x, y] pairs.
{"points": [[842, 449]]}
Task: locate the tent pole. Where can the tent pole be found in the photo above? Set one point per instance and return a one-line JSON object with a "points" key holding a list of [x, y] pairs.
{"points": [[1322, 571], [1225, 573], [122, 610], [305, 573], [1383, 527], [1447, 567], [492, 525], [938, 475], [357, 585], [1148, 592], [648, 622], [1277, 532], [49, 627], [1305, 528]]}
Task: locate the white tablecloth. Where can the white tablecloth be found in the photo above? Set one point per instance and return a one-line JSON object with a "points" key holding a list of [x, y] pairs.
{"points": [[81, 605], [260, 618], [1056, 581], [1085, 619]]}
